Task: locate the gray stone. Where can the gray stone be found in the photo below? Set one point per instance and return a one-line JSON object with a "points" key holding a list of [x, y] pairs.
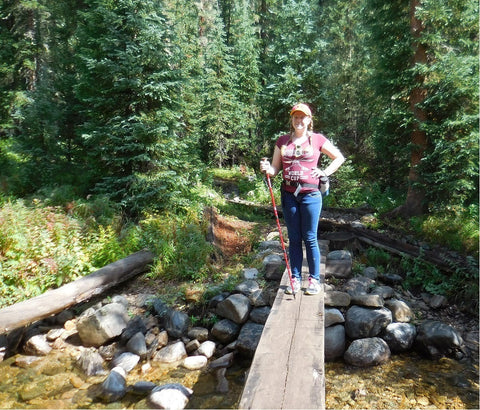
{"points": [[126, 360], [259, 298], [37, 345], [270, 245], [260, 314], [360, 285], [199, 333], [134, 326], [386, 292], [222, 382], [399, 336], [99, 326], [370, 272], [91, 362], [192, 346], [337, 299], [247, 287], [194, 362], [177, 323], [248, 339], [334, 342], [235, 307], [437, 301], [333, 316], [401, 312], [361, 322], [273, 267], [225, 331], [367, 352], [207, 349], [436, 339], [392, 279], [114, 387], [250, 273], [375, 301], [223, 361], [137, 345], [171, 353]]}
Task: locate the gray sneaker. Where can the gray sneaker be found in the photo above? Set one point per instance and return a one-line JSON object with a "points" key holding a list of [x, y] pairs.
{"points": [[296, 287], [313, 287]]}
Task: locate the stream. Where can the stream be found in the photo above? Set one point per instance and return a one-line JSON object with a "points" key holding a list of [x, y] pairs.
{"points": [[405, 382]]}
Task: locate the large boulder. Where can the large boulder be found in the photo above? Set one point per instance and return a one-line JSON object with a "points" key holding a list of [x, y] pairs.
{"points": [[399, 336], [236, 308], [249, 338], [436, 339], [334, 342], [225, 331], [367, 352], [361, 322]]}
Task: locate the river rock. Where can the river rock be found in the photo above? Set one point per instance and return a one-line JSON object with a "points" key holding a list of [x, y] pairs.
{"points": [[273, 267], [250, 273], [375, 301], [223, 361], [436, 339], [367, 352], [334, 342], [225, 331], [260, 314], [248, 338], [137, 345], [194, 362], [360, 285], [338, 264], [222, 382], [37, 345], [134, 326], [271, 245], [171, 353], [386, 292], [169, 396], [247, 287], [259, 298], [370, 272], [401, 312], [126, 360], [392, 279], [98, 326], [207, 349], [333, 316], [199, 333], [91, 362], [361, 322], [236, 308], [161, 310], [337, 298], [176, 324], [142, 388], [399, 336], [114, 386]]}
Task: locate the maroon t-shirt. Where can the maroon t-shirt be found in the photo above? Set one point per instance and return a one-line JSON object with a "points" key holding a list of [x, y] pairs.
{"points": [[298, 160]]}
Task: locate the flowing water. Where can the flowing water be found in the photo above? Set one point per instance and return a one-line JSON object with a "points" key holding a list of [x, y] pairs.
{"points": [[405, 382]]}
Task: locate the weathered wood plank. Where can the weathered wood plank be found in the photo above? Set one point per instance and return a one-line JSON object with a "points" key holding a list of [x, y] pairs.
{"points": [[54, 301], [287, 371]]}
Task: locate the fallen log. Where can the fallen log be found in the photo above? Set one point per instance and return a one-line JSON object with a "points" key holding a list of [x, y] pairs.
{"points": [[56, 300]]}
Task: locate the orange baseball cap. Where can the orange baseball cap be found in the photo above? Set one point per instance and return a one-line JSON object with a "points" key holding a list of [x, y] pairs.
{"points": [[302, 108]]}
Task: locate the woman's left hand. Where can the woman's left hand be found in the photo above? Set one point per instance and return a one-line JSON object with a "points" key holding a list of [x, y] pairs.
{"points": [[317, 173]]}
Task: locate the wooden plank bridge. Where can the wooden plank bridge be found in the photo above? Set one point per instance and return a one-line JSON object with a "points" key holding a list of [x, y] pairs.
{"points": [[287, 371]]}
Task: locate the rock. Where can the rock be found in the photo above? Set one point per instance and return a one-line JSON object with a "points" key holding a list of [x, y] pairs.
{"points": [[54, 334], [361, 322], [338, 264], [399, 336], [137, 345], [114, 386], [236, 308], [370, 272], [134, 326], [169, 396], [142, 388], [436, 339], [260, 314], [176, 324], [392, 279], [91, 362], [332, 317], [225, 331], [272, 245], [161, 309], [207, 349], [367, 352], [401, 312], [194, 362], [171, 353], [250, 273], [223, 361], [199, 333], [337, 298], [37, 345], [97, 327], [334, 342], [375, 301], [127, 361], [385, 292], [248, 338], [437, 301], [222, 382], [192, 346], [273, 267], [247, 287], [359, 285], [26, 361], [259, 298]]}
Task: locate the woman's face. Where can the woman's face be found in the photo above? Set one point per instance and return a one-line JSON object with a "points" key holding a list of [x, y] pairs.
{"points": [[300, 121]]}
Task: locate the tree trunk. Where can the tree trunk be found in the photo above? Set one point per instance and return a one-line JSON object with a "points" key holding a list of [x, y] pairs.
{"points": [[415, 201]]}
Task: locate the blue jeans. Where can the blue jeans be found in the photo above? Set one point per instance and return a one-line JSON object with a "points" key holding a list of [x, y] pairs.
{"points": [[302, 214]]}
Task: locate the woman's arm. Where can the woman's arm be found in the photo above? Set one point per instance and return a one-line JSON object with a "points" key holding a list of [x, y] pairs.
{"points": [[333, 153], [276, 165]]}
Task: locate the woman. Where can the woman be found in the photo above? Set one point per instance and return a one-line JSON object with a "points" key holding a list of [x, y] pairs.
{"points": [[297, 154]]}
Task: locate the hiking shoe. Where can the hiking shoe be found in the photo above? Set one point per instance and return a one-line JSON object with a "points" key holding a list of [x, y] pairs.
{"points": [[313, 287], [296, 287]]}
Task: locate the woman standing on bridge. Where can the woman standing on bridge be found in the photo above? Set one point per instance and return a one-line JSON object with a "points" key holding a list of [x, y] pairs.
{"points": [[297, 154]]}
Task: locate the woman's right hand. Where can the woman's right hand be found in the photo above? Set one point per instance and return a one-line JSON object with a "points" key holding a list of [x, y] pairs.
{"points": [[265, 165]]}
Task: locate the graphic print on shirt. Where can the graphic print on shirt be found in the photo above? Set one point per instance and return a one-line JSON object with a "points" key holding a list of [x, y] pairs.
{"points": [[297, 161]]}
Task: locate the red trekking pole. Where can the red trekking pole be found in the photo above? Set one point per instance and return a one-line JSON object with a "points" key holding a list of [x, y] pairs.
{"points": [[269, 183]]}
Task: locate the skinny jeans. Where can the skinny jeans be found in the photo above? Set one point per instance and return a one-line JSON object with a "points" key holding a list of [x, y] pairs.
{"points": [[301, 214]]}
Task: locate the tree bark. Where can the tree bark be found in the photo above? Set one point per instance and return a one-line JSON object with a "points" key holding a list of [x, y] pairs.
{"points": [[54, 301]]}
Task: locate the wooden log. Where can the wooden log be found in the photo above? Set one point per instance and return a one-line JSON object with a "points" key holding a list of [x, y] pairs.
{"points": [[56, 300]]}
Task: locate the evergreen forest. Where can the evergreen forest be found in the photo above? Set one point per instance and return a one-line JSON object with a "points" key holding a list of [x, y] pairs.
{"points": [[116, 115]]}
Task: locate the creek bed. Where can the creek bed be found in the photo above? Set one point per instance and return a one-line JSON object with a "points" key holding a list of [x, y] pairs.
{"points": [[405, 382]]}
